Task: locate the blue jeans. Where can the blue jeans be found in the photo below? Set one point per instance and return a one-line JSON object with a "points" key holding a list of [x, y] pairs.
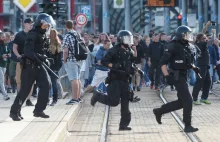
{"points": [[192, 77], [102, 87], [146, 71], [215, 77], [54, 85], [91, 74]]}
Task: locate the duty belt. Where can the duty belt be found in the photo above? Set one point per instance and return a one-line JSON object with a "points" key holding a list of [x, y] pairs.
{"points": [[119, 77], [30, 62]]}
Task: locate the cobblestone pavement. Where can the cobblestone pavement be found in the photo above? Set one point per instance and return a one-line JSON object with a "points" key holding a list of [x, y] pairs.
{"points": [[205, 117], [88, 124], [144, 125]]}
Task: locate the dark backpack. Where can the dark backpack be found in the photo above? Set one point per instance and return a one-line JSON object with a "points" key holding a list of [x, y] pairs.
{"points": [[80, 50]]}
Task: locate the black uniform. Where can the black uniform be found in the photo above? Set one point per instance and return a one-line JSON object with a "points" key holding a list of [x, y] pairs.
{"points": [[118, 88], [179, 56], [32, 71]]}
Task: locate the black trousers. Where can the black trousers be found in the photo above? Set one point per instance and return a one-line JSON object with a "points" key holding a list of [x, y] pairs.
{"points": [[184, 101], [118, 90], [31, 73], [203, 84], [155, 78]]}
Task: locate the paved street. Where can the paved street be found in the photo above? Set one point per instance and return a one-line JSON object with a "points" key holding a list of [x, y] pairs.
{"points": [[145, 127], [205, 117], [83, 123]]}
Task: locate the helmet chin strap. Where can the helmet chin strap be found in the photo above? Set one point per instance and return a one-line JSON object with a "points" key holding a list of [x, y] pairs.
{"points": [[125, 45]]}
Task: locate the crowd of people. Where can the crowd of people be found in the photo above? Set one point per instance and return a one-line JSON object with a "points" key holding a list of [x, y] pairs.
{"points": [[150, 50], [90, 74]]}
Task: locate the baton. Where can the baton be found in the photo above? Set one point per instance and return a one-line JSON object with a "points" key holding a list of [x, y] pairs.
{"points": [[199, 75], [43, 64], [109, 68]]}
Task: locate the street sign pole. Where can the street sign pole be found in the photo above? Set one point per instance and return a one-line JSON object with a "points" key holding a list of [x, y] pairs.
{"points": [[128, 15], [105, 18]]}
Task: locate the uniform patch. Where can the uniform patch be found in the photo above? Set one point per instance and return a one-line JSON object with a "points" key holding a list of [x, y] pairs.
{"points": [[178, 61]]}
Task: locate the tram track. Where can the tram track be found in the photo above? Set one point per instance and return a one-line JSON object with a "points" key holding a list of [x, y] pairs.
{"points": [[191, 136], [104, 133]]}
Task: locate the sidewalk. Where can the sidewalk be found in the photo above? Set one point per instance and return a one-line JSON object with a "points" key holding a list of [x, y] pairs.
{"points": [[205, 117], [33, 129], [144, 126], [88, 124]]}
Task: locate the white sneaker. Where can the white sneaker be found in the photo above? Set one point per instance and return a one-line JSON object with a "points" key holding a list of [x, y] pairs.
{"points": [[6, 97]]}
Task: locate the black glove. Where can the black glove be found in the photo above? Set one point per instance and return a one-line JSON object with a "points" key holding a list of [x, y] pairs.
{"points": [[117, 66], [42, 57], [51, 60], [47, 62], [170, 79], [196, 70]]}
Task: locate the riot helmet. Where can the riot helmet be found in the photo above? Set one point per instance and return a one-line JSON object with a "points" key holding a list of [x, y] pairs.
{"points": [[183, 32], [44, 18], [125, 37]]}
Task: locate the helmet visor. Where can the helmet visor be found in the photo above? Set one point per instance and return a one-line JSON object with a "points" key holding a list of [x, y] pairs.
{"points": [[189, 36], [48, 20], [128, 40]]}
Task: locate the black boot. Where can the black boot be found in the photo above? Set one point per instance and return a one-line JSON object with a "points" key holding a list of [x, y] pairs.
{"points": [[19, 115], [15, 117], [29, 103], [158, 115], [189, 129], [124, 128], [95, 97], [41, 114]]}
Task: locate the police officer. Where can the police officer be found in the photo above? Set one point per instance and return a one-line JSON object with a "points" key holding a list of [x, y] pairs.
{"points": [[179, 55], [119, 59], [32, 70]]}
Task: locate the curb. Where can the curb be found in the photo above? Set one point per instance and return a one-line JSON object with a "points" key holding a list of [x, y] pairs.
{"points": [[61, 131]]}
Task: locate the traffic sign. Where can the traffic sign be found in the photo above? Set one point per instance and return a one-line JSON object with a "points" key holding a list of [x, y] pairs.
{"points": [[119, 4], [86, 9], [81, 19], [24, 5]]}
